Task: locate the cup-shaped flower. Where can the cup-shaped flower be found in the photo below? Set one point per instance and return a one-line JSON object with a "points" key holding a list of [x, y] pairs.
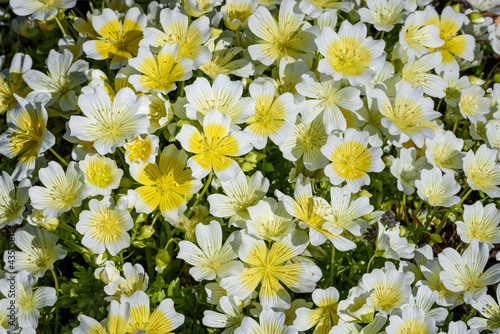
{"points": [[438, 189], [480, 222], [383, 14], [39, 9], [12, 200], [236, 13], [483, 171], [135, 279], [412, 320], [322, 318], [269, 322], [117, 321], [445, 151], [269, 220], [11, 82], [102, 174]]}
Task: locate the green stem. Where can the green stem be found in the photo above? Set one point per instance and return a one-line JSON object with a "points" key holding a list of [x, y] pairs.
{"points": [[464, 198], [332, 262], [180, 89], [59, 23], [442, 223], [492, 69], [200, 196], [149, 258], [439, 104], [238, 41], [264, 161], [58, 157], [456, 123], [56, 283], [370, 262]]}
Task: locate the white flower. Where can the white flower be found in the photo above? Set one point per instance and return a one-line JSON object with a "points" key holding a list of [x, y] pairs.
{"points": [[431, 270], [459, 327], [465, 273], [12, 200], [483, 171], [413, 320], [480, 223], [135, 279], [39, 9], [445, 151], [425, 299], [230, 316], [107, 272], [489, 309], [269, 322], [269, 220], [322, 318], [473, 105], [416, 72], [212, 258], [142, 149], [493, 134], [61, 191], [486, 5], [415, 37], [438, 189], [392, 244], [456, 85], [383, 14], [102, 174], [407, 168]]}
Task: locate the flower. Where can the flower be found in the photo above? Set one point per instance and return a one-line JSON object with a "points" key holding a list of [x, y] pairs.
{"points": [[269, 220], [315, 8], [425, 299], [349, 54], [239, 195], [473, 105], [117, 40], [211, 259], [176, 28], [213, 151], [383, 14], [26, 137], [224, 95], [326, 98], [108, 124], [274, 117], [391, 245], [322, 318], [231, 317], [438, 189], [39, 251], [489, 309], [117, 321], [107, 272], [135, 280], [38, 219], [480, 223], [465, 273], [445, 151], [269, 266], [431, 271], [102, 174], [61, 191], [39, 9], [483, 171], [160, 72], [104, 227], [64, 76], [269, 322], [416, 73], [12, 200], [164, 184], [282, 38], [413, 320], [416, 38], [236, 13], [407, 168], [12, 82], [351, 159], [142, 150]]}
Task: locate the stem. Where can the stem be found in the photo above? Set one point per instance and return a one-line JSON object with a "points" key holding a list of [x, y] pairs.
{"points": [[465, 197], [370, 262], [59, 23], [149, 257], [456, 123], [442, 223], [200, 196], [439, 104], [56, 283], [492, 69], [180, 89], [405, 212], [58, 157], [238, 41], [264, 162], [330, 280]]}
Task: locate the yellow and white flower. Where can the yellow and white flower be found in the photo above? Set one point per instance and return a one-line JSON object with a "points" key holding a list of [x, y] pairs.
{"points": [[326, 98], [406, 169], [431, 270], [135, 279], [116, 322], [383, 14], [236, 13], [212, 258], [282, 38], [445, 151], [489, 309], [38, 251], [456, 85], [26, 137], [142, 149], [199, 8], [480, 223], [106, 272], [164, 319], [274, 117], [424, 298], [108, 124], [449, 25], [270, 267], [269, 220], [117, 40], [269, 322], [38, 219], [159, 111], [239, 195], [224, 95], [473, 105], [61, 191], [349, 53], [412, 320], [483, 171], [438, 189], [230, 316], [11, 81], [416, 38], [176, 29], [351, 159], [165, 184], [324, 317], [160, 72], [38, 9], [102, 175], [416, 73], [408, 114], [12, 200], [465, 273], [314, 8], [391, 245], [412, 5], [215, 148], [104, 227]]}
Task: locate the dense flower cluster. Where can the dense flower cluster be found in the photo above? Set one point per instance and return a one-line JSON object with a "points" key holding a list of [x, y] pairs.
{"points": [[250, 167]]}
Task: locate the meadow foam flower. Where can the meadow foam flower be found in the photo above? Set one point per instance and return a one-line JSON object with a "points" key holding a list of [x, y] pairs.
{"points": [[116, 322], [212, 258], [349, 53], [445, 151], [60, 192], [106, 272], [424, 298], [322, 318], [63, 78], [38, 251], [11, 81], [417, 38], [438, 189], [489, 309], [102, 174], [159, 72], [351, 159], [483, 171], [237, 12], [391, 245], [36, 218], [269, 322], [407, 114], [465, 273], [135, 279], [450, 23], [104, 227], [176, 28], [116, 39], [412, 320], [282, 38], [383, 14], [108, 124], [431, 270], [416, 73], [326, 98], [215, 148], [270, 267], [274, 117], [229, 317], [269, 220], [406, 169], [39, 9], [26, 137], [314, 8], [473, 105], [164, 319], [164, 184], [305, 143], [456, 84], [12, 200], [224, 95], [239, 195], [480, 223], [142, 149]]}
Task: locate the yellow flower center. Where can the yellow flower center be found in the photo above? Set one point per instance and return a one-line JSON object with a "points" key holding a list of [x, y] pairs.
{"points": [[139, 149], [99, 173], [351, 160], [412, 327], [348, 56], [386, 296]]}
